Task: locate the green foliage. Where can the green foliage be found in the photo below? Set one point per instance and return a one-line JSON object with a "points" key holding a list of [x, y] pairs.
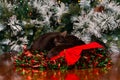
{"points": [[26, 12], [69, 1], [74, 9], [22, 9], [5, 14], [92, 58], [94, 3], [66, 20], [112, 36], [118, 1]]}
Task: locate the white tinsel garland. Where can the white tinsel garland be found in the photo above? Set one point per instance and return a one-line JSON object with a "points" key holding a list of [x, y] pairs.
{"points": [[97, 22], [14, 25], [2, 27], [49, 9], [4, 3], [17, 32], [85, 3], [43, 6], [16, 46]]}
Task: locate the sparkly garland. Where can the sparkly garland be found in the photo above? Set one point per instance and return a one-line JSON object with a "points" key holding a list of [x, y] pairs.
{"points": [[92, 58]]}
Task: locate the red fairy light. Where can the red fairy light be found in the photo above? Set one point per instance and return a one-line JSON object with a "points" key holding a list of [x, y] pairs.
{"points": [[41, 53], [35, 66], [43, 58], [30, 14], [37, 55], [25, 47], [45, 63], [29, 78], [43, 73], [14, 62], [95, 64], [33, 61], [28, 54], [22, 64], [59, 65], [87, 58], [59, 73], [26, 60], [100, 55], [54, 62], [93, 51], [96, 71], [35, 71], [23, 71], [109, 64]]}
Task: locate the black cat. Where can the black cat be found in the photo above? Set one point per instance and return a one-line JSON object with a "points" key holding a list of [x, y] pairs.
{"points": [[47, 41], [69, 41], [54, 42]]}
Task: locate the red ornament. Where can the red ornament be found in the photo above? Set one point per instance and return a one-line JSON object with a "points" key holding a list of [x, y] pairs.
{"points": [[100, 55], [99, 9], [28, 54], [33, 61]]}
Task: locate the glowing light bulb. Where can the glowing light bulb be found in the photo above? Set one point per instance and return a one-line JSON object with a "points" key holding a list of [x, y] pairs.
{"points": [[78, 1]]}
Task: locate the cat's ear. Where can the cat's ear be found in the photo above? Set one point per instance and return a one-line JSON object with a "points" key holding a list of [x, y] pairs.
{"points": [[63, 33]]}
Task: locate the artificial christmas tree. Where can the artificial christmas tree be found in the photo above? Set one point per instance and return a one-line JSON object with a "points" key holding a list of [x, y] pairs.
{"points": [[22, 21]]}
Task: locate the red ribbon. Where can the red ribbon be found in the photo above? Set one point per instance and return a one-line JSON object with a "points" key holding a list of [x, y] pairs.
{"points": [[73, 54]]}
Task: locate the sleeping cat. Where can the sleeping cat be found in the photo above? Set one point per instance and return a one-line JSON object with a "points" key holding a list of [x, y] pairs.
{"points": [[69, 41], [46, 41], [50, 40], [54, 42]]}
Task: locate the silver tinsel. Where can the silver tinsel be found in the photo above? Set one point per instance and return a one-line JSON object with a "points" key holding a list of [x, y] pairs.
{"points": [[96, 23], [14, 25]]}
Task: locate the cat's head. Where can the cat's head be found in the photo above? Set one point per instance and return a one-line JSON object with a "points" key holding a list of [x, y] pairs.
{"points": [[60, 39]]}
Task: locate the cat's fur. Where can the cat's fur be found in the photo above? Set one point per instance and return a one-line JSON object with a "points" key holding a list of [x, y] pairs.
{"points": [[46, 41], [69, 41], [54, 42]]}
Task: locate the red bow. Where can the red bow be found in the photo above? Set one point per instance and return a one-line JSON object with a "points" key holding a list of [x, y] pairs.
{"points": [[72, 55]]}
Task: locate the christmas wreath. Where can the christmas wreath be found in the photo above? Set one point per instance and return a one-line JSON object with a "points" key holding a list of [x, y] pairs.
{"points": [[90, 55]]}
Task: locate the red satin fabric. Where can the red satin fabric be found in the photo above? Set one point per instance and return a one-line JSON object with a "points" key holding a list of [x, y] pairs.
{"points": [[73, 54]]}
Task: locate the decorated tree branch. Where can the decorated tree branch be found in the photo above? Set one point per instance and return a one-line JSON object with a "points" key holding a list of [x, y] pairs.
{"points": [[92, 55], [22, 21]]}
